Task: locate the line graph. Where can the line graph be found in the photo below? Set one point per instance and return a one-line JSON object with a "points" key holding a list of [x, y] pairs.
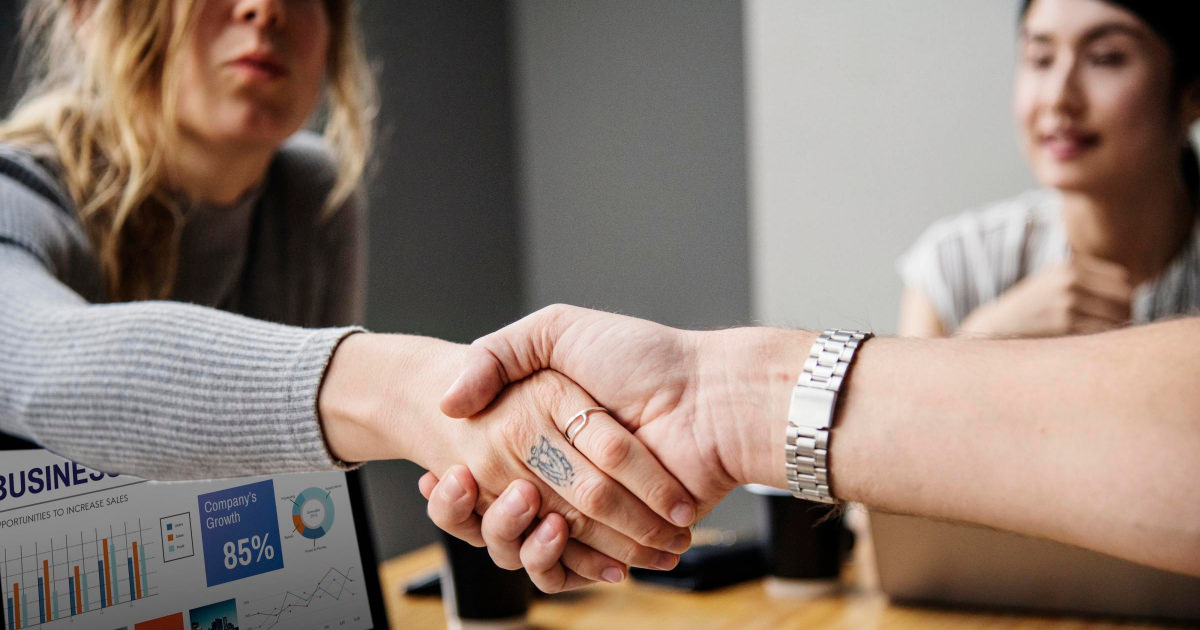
{"points": [[330, 590]]}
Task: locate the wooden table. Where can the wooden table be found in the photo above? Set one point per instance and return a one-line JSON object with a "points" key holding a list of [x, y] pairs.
{"points": [[633, 606]]}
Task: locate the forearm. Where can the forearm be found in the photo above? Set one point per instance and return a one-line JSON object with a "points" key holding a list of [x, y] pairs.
{"points": [[1091, 440]]}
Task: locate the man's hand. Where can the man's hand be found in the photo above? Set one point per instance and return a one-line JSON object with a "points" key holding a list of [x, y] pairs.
{"points": [[642, 372], [702, 402]]}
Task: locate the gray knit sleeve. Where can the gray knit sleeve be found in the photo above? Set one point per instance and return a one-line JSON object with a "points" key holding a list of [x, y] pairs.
{"points": [[161, 390]]}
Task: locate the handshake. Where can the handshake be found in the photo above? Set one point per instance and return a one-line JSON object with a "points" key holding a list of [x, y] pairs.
{"points": [[580, 442]]}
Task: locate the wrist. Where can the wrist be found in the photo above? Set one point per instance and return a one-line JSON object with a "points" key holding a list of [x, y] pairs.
{"points": [[380, 392], [747, 379]]}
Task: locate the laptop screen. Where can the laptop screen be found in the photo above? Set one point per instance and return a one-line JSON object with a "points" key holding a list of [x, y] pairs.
{"points": [[83, 549]]}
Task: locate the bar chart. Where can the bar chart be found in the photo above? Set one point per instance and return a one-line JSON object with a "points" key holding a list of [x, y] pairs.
{"points": [[77, 573]]}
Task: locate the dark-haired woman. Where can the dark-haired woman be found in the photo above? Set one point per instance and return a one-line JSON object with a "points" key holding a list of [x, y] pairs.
{"points": [[1105, 96]]}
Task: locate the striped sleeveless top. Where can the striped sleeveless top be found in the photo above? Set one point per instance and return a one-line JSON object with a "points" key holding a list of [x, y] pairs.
{"points": [[966, 260]]}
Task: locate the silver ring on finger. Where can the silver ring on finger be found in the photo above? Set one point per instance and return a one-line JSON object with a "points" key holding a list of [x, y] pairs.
{"points": [[577, 423]]}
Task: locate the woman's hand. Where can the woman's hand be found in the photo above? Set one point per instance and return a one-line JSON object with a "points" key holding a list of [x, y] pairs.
{"points": [[543, 552], [379, 400], [1079, 296]]}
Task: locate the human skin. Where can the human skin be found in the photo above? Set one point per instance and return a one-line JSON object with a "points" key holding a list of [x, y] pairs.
{"points": [[379, 400], [1033, 436], [1102, 119], [251, 76]]}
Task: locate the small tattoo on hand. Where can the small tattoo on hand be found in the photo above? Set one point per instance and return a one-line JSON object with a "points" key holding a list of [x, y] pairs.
{"points": [[551, 462]]}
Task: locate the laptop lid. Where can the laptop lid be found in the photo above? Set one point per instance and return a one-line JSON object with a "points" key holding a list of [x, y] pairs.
{"points": [[925, 561], [83, 549]]}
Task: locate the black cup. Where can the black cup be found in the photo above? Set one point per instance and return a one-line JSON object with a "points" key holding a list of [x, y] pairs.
{"points": [[805, 544], [479, 594]]}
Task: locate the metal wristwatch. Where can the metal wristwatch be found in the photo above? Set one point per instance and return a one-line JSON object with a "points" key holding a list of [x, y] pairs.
{"points": [[810, 415]]}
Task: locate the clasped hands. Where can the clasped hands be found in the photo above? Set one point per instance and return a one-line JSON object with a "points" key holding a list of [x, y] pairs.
{"points": [[687, 421]]}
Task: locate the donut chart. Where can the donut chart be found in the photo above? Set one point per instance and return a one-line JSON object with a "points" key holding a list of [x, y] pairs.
{"points": [[312, 513]]}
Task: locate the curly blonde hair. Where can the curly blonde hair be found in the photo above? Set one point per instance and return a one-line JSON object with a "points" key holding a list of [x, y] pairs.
{"points": [[102, 108]]}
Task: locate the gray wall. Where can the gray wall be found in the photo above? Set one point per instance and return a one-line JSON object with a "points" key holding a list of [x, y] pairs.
{"points": [[443, 226], [868, 120], [632, 157], [631, 152]]}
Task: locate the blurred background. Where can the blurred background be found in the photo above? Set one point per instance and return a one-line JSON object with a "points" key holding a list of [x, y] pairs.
{"points": [[702, 163]]}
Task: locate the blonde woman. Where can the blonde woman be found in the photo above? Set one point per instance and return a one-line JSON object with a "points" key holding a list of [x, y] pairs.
{"points": [[1105, 96], [181, 269]]}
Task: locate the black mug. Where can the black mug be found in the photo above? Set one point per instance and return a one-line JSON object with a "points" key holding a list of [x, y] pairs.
{"points": [[805, 544], [477, 594]]}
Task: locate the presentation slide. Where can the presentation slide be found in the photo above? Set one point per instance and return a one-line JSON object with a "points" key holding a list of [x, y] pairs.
{"points": [[83, 549]]}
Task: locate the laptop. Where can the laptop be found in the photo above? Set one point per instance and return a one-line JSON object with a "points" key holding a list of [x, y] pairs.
{"points": [[84, 549], [934, 562]]}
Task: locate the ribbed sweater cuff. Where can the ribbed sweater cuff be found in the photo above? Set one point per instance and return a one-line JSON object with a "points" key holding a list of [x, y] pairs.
{"points": [[307, 439]]}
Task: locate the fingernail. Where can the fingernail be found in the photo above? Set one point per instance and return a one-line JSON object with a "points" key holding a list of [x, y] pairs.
{"points": [[666, 561], [682, 514], [546, 534], [452, 490], [453, 386], [514, 505], [680, 544], [612, 575]]}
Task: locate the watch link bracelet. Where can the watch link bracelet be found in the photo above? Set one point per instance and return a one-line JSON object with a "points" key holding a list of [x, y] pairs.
{"points": [[810, 416]]}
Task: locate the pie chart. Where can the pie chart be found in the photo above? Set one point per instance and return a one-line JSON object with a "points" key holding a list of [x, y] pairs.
{"points": [[312, 513]]}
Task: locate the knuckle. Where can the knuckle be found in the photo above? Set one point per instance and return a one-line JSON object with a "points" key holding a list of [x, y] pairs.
{"points": [[594, 494], [1073, 280], [489, 531], [502, 560], [556, 311], [545, 583], [579, 526], [582, 563], [435, 513], [638, 555], [517, 433], [548, 388], [443, 516], [663, 493], [622, 550], [657, 534], [610, 449], [534, 559]]}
